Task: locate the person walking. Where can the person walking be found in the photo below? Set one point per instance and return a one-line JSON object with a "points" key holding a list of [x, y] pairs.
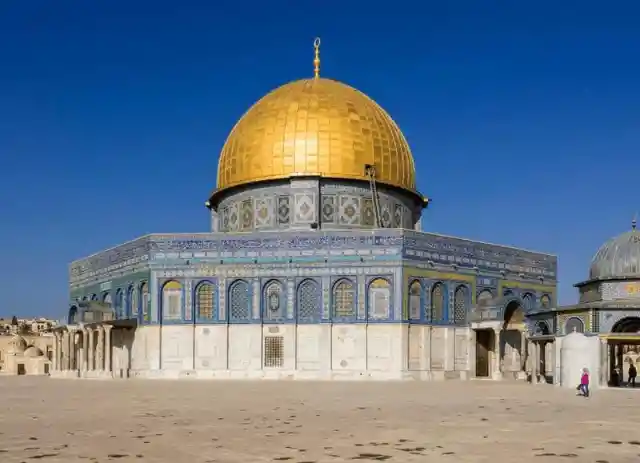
{"points": [[633, 373], [584, 383]]}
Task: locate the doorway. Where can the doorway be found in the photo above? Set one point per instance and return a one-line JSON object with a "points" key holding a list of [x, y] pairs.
{"points": [[21, 369], [484, 346]]}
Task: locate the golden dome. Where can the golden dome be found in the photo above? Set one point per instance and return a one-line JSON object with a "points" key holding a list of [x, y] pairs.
{"points": [[317, 127]]}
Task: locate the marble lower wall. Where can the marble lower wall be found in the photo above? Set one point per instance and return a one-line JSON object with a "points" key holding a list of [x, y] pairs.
{"points": [[349, 351]]}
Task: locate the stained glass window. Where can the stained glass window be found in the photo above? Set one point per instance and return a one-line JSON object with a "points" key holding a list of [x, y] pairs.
{"points": [[379, 299], [344, 299], [120, 303], [144, 291], [309, 300], [415, 293], [437, 302], [545, 302], [239, 302], [574, 324], [133, 301], [172, 300], [272, 300], [484, 299], [460, 304], [204, 300]]}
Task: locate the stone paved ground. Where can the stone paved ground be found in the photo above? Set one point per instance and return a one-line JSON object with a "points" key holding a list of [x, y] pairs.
{"points": [[51, 420]]}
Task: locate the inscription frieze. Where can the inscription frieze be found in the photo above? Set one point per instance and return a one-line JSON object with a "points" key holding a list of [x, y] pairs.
{"points": [[416, 245]]}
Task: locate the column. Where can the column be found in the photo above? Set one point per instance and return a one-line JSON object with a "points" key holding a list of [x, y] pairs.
{"points": [[54, 358], [496, 372], [523, 351], [92, 350], [85, 349], [107, 348], [100, 350], [67, 350], [536, 363]]}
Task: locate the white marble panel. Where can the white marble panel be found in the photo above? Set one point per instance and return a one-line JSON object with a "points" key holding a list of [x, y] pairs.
{"points": [[349, 347]]}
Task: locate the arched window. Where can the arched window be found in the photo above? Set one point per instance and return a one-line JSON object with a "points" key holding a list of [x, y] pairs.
{"points": [[106, 298], [204, 301], [272, 300], [379, 299], [119, 303], [415, 300], [460, 304], [133, 302], [344, 299], [172, 300], [574, 324], [239, 301], [484, 299], [527, 302], [94, 297], [507, 293], [144, 292], [309, 301], [545, 301], [72, 319], [437, 302]]}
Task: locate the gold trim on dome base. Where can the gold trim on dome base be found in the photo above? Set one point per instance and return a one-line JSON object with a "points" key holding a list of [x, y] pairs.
{"points": [[315, 127]]}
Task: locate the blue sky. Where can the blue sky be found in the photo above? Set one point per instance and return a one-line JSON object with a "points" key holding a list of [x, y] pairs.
{"points": [[523, 117]]}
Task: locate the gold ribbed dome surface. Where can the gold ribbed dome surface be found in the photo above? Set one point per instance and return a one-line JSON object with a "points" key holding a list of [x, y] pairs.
{"points": [[315, 127]]}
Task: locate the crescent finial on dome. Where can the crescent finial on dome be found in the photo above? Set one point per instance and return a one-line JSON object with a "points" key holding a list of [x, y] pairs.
{"points": [[316, 60]]}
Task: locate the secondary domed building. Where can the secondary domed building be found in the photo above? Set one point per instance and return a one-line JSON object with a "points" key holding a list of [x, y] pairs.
{"points": [[608, 310], [315, 266]]}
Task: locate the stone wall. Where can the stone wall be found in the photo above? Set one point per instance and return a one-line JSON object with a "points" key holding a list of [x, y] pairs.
{"points": [[390, 351]]}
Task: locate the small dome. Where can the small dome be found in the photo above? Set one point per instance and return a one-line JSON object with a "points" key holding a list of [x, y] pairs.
{"points": [[617, 258], [33, 351], [17, 345], [575, 340]]}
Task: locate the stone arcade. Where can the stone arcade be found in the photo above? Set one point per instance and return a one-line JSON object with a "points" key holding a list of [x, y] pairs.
{"points": [[315, 267]]}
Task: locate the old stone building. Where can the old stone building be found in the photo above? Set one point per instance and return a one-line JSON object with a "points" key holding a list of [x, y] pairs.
{"points": [[602, 331], [26, 355], [315, 267]]}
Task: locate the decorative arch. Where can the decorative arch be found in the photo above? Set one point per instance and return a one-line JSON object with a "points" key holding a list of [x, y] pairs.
{"points": [[513, 313], [541, 328], [309, 301], [273, 300], [344, 299], [528, 302], [144, 300], [415, 299], [438, 302], [460, 302], [72, 317], [239, 301], [573, 324], [119, 303], [171, 300], [205, 300], [106, 298], [484, 298], [132, 302], [627, 325], [85, 298], [379, 299], [94, 297], [545, 301]]}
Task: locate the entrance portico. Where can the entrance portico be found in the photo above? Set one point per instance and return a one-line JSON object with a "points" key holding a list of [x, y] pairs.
{"points": [[86, 350]]}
